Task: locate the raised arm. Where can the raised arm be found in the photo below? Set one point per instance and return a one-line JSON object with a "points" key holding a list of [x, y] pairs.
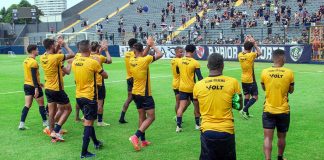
{"points": [[104, 47], [69, 50]]}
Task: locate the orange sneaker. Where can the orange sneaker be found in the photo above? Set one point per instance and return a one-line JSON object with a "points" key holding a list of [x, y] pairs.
{"points": [[145, 143], [47, 131], [134, 140]]}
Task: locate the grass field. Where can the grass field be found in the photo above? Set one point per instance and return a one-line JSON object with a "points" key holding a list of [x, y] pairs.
{"points": [[305, 138]]}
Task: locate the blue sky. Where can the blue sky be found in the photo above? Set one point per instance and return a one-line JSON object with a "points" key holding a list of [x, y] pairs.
{"points": [[7, 3]]}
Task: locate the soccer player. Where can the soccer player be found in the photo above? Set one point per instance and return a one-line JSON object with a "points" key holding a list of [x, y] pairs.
{"points": [[77, 108], [214, 96], [51, 62], [129, 78], [96, 50], [85, 70], [32, 87], [188, 67], [142, 91], [250, 88], [176, 76], [277, 82]]}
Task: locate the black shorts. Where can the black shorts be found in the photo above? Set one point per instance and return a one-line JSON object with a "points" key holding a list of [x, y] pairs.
{"points": [[89, 108], [59, 97], [144, 102], [186, 96], [101, 92], [250, 88], [279, 121], [30, 91], [130, 82], [176, 91], [222, 148]]}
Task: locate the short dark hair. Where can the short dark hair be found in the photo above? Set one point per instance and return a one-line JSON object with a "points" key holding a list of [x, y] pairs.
{"points": [[190, 48], [31, 47], [94, 46], [215, 61], [178, 48], [248, 45], [138, 47], [48, 43], [131, 42], [84, 46], [277, 53]]}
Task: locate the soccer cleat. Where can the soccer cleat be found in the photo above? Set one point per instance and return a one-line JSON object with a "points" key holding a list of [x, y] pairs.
{"points": [[244, 114], [134, 140], [47, 131], [122, 121], [197, 127], [22, 126], [99, 145], [102, 124], [56, 137], [45, 123], [88, 155], [178, 129], [145, 143]]}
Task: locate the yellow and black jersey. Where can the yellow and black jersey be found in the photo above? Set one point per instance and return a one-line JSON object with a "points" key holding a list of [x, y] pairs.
{"points": [[140, 70], [277, 82], [175, 73], [85, 71], [128, 56], [214, 95], [187, 67], [31, 72], [52, 65], [247, 64], [102, 59]]}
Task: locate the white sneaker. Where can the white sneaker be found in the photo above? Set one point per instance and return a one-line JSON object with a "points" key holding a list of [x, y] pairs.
{"points": [[22, 126], [102, 124], [244, 114], [57, 136], [197, 127], [178, 129], [45, 123]]}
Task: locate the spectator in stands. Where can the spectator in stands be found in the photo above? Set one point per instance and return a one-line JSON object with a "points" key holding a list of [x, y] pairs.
{"points": [[316, 44], [73, 29], [52, 29], [173, 20], [183, 20], [170, 29], [147, 23], [107, 19], [134, 29]]}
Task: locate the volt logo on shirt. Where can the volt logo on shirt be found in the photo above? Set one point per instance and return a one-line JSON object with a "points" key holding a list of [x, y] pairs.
{"points": [[276, 75], [214, 87]]}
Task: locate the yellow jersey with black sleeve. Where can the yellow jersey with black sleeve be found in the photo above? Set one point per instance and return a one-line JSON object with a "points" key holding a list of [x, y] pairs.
{"points": [[102, 59], [247, 64], [30, 65], [277, 82], [214, 95], [175, 73], [52, 66], [187, 67], [140, 70], [85, 71], [128, 56]]}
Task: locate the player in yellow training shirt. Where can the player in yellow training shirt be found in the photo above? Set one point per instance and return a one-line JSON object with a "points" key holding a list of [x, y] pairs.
{"points": [[277, 82], [129, 77], [214, 97], [51, 63], [86, 69], [96, 50], [142, 91], [176, 75], [188, 67], [32, 87], [249, 85]]}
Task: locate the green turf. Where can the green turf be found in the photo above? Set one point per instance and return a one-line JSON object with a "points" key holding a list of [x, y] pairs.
{"points": [[305, 139]]}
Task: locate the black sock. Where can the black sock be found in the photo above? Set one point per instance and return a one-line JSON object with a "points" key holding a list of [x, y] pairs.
{"points": [[138, 133], [249, 104], [42, 112], [99, 117], [57, 128], [93, 135], [24, 113], [280, 157], [143, 136], [246, 101], [122, 115], [86, 139], [197, 121], [179, 122]]}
